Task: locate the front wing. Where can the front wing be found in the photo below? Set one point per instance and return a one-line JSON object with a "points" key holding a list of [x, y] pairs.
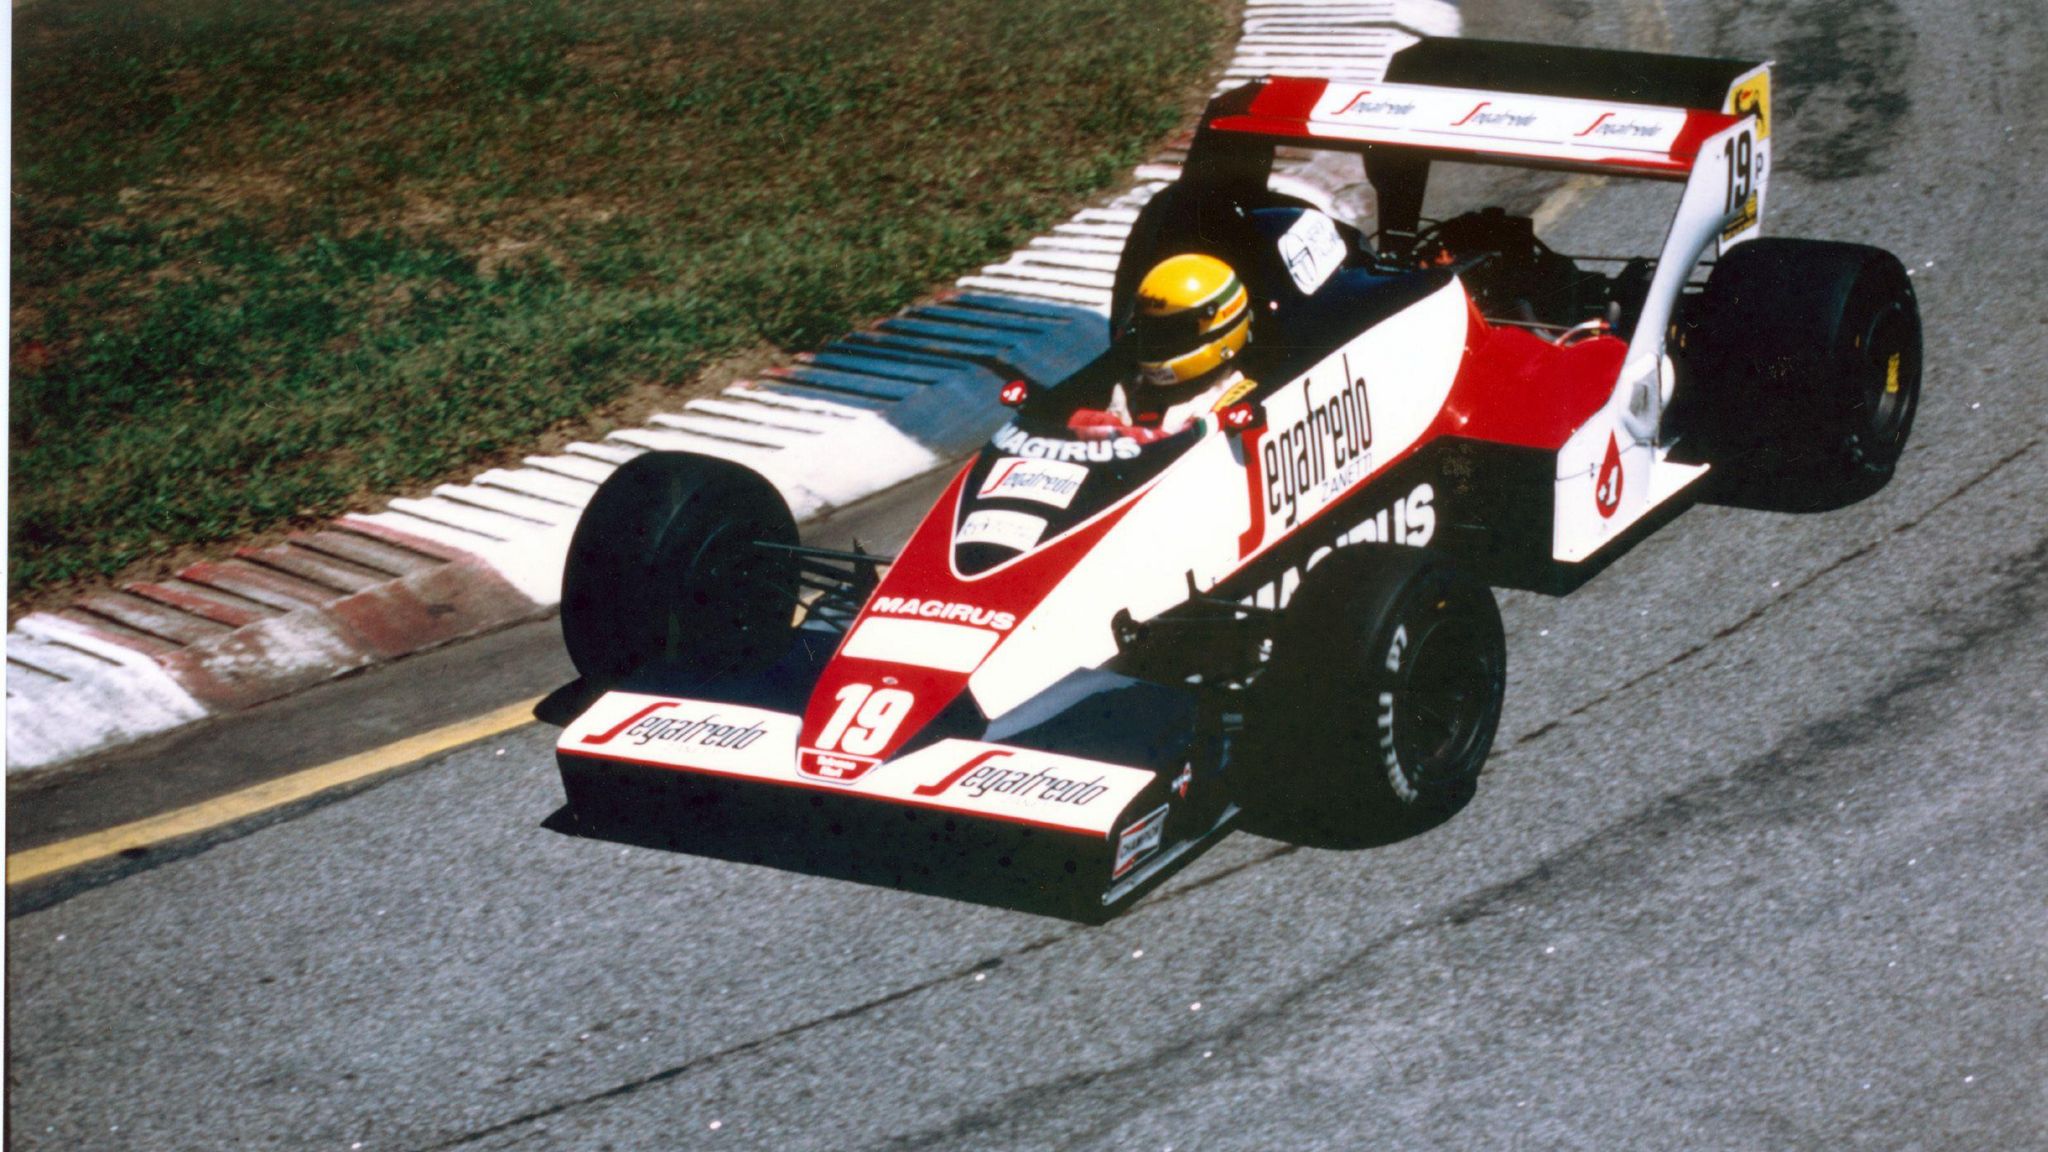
{"points": [[991, 821]]}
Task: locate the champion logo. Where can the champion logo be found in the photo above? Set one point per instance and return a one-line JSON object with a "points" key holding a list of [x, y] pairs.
{"points": [[1138, 841]]}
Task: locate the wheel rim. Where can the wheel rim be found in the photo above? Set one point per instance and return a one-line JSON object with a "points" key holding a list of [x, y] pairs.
{"points": [[725, 587], [1443, 703], [1889, 370]]}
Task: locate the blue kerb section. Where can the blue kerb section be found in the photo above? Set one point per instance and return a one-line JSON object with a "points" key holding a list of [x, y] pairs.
{"points": [[902, 355], [1064, 338], [943, 337], [985, 319], [804, 391], [858, 384], [971, 345], [924, 349], [1017, 306], [936, 369], [935, 372], [846, 357]]}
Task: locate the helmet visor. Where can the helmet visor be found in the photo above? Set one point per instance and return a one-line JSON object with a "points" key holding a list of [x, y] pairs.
{"points": [[1165, 337], [1176, 334]]}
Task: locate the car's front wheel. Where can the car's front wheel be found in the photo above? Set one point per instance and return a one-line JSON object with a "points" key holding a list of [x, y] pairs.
{"points": [[666, 564], [1380, 702]]}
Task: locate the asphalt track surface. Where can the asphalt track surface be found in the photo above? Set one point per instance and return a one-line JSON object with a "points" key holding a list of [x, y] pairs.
{"points": [[1758, 860]]}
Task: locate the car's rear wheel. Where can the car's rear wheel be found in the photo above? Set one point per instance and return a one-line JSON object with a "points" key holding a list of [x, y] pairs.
{"points": [[1379, 706], [1802, 376], [665, 565]]}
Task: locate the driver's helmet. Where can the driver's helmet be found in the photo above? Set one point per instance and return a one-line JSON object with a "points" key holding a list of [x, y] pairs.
{"points": [[1193, 316]]}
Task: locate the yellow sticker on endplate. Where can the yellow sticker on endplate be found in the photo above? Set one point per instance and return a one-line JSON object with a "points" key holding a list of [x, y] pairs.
{"points": [[1753, 98], [1891, 375]]}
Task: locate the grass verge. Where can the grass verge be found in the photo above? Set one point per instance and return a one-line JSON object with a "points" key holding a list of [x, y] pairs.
{"points": [[274, 256]]}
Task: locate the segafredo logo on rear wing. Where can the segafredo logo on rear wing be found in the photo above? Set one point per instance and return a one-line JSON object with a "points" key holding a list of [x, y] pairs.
{"points": [[1596, 135]]}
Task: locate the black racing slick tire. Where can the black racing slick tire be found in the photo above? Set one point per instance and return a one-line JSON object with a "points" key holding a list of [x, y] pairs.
{"points": [[1378, 708], [665, 565], [1802, 373]]}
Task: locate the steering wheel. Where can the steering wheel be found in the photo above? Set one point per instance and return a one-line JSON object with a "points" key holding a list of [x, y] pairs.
{"points": [[1582, 331], [1429, 249]]}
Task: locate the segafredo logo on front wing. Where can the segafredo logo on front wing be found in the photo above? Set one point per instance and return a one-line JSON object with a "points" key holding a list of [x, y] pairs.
{"points": [[1016, 785], [674, 732], [992, 772]]}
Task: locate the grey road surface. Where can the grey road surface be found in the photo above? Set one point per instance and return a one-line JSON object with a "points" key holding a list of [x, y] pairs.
{"points": [[1759, 861]]}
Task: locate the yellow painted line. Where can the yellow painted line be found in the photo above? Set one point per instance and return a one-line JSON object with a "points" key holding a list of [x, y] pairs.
{"points": [[35, 863]]}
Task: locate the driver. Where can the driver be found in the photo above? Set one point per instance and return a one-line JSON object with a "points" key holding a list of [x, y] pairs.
{"points": [[1193, 319]]}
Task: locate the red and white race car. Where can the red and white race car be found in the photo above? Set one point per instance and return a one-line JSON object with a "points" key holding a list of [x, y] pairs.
{"points": [[1100, 648]]}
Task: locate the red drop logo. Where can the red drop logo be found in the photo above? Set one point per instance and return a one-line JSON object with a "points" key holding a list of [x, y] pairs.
{"points": [[1607, 493]]}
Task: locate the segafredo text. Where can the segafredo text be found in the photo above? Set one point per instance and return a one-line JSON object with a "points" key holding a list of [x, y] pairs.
{"points": [[1328, 449], [708, 731], [1039, 785]]}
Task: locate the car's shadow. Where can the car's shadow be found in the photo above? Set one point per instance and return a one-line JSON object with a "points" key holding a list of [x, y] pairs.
{"points": [[931, 857], [1305, 832], [801, 832]]}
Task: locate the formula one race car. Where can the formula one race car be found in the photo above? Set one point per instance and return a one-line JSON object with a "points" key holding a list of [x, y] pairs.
{"points": [[1111, 636]]}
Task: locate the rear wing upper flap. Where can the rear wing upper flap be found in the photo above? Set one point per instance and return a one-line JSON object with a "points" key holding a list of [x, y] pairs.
{"points": [[1576, 73]]}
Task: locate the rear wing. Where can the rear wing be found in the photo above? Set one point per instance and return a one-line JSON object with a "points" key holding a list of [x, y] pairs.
{"points": [[1481, 124], [1535, 105], [1631, 114]]}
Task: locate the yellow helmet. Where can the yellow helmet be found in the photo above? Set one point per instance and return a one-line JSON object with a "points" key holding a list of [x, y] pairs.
{"points": [[1193, 316]]}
